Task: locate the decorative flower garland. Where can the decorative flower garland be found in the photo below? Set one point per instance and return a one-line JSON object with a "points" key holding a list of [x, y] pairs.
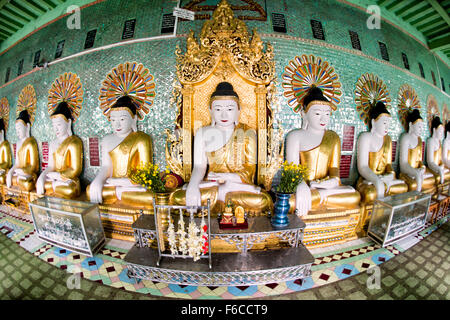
{"points": [[182, 241], [172, 237], [193, 243]]}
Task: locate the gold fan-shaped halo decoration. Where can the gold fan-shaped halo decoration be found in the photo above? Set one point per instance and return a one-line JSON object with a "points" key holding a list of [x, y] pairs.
{"points": [[4, 111], [369, 90], [445, 114], [27, 101], [432, 109], [67, 87], [303, 73], [407, 101], [131, 79]]}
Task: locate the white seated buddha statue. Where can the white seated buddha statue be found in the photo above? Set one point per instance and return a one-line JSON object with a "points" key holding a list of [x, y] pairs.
{"points": [[434, 152], [123, 150], [374, 157], [446, 146], [24, 172], [225, 155], [61, 177], [320, 150], [416, 175]]}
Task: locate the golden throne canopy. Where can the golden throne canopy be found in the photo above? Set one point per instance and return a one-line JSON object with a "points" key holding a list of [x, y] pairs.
{"points": [[225, 51]]}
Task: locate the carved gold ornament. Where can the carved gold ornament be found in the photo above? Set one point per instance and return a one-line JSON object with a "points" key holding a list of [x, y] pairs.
{"points": [[432, 109], [445, 114], [369, 90], [407, 101], [4, 111], [303, 73], [225, 37], [131, 79], [67, 87], [27, 101]]}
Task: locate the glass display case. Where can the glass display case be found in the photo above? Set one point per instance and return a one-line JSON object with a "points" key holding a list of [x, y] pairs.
{"points": [[70, 224], [395, 217]]}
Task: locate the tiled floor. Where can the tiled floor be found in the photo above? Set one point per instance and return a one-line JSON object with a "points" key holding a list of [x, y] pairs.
{"points": [[42, 271]]}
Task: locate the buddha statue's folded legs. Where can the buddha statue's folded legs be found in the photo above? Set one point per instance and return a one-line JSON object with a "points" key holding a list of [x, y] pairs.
{"points": [[24, 183], [253, 203], [68, 190], [347, 200], [113, 194]]}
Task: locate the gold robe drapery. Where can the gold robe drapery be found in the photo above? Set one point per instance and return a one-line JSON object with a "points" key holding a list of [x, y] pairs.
{"points": [[28, 161], [5, 160], [68, 161], [238, 156], [135, 149], [323, 163]]}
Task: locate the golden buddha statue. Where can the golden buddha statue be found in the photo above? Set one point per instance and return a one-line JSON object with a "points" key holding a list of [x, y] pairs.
{"points": [[61, 177], [24, 172], [122, 151], [374, 158], [416, 175], [320, 150], [225, 153], [5, 153], [434, 152]]}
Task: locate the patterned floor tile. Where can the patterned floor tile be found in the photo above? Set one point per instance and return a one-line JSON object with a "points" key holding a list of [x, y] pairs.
{"points": [[322, 277]]}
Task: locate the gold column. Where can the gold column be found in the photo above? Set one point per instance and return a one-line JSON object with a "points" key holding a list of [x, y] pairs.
{"points": [[188, 98], [261, 93]]}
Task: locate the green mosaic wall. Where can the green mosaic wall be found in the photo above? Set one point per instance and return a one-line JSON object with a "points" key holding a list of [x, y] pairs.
{"points": [[158, 55]]}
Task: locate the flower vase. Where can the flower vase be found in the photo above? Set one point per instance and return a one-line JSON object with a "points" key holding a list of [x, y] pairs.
{"points": [[281, 208], [162, 198]]}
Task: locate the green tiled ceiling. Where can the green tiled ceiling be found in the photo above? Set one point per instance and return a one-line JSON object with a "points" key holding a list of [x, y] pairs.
{"points": [[20, 17], [428, 18]]}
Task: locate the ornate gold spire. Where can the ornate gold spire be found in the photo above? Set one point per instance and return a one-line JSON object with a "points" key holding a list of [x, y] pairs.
{"points": [[225, 35]]}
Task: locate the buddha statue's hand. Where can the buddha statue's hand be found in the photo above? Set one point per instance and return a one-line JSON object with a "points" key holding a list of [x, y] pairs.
{"points": [[388, 177], [40, 185], [224, 177], [119, 182], [303, 199], [9, 178], [95, 191], [230, 186], [380, 187], [326, 184], [442, 173], [19, 172], [55, 176], [193, 195]]}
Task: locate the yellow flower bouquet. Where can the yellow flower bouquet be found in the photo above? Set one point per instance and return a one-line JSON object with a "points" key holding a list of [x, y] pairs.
{"points": [[149, 176], [291, 176]]}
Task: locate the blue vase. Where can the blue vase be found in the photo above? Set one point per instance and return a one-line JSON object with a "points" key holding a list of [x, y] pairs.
{"points": [[281, 208]]}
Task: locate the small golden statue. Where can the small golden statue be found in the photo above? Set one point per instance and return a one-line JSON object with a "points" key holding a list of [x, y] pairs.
{"points": [[227, 217], [239, 213]]}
